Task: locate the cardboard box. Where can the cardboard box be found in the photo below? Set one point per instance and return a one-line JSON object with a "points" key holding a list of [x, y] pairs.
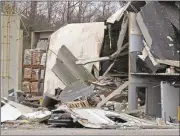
{"points": [[27, 73], [26, 86], [36, 57], [35, 74], [34, 87], [28, 56]]}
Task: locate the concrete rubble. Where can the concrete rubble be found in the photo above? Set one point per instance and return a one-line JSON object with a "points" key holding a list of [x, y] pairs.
{"points": [[90, 87], [6, 113]]}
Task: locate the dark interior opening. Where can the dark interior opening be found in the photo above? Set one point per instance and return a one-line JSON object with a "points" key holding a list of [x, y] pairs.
{"points": [[116, 119], [141, 94]]}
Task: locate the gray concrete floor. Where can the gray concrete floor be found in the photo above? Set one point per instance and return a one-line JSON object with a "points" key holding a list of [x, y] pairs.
{"points": [[83, 131]]}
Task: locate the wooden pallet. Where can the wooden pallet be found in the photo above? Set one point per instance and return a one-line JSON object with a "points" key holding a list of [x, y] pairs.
{"points": [[35, 93], [78, 104], [30, 80], [34, 66]]}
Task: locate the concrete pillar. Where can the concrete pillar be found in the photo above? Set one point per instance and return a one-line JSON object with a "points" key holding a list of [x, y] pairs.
{"points": [[156, 100], [135, 46], [135, 41], [132, 97], [149, 102], [153, 100]]}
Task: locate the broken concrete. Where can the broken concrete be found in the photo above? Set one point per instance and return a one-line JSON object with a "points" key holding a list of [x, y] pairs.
{"points": [[9, 113], [63, 72], [38, 115], [75, 91], [114, 93], [96, 118], [80, 72], [22, 108]]}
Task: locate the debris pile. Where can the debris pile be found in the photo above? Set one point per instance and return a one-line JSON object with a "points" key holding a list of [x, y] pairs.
{"points": [[68, 116]]}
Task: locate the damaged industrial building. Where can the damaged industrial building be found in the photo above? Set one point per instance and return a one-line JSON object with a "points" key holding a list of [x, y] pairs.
{"points": [[115, 73]]}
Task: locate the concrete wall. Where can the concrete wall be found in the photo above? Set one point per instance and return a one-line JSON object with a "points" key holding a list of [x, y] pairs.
{"points": [[37, 35], [153, 97], [11, 53], [170, 100], [153, 100]]}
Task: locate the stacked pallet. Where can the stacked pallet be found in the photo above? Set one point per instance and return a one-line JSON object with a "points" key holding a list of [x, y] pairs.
{"points": [[33, 70]]}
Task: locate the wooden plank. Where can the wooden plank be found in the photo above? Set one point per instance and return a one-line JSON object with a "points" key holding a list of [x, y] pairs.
{"points": [[114, 93], [116, 54], [122, 34]]}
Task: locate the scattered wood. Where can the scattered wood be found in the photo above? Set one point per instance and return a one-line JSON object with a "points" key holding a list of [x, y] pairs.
{"points": [[122, 34], [169, 62], [114, 93], [110, 39], [150, 55], [108, 69]]}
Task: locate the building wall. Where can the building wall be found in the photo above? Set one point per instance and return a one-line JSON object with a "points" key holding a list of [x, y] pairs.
{"points": [[39, 35], [152, 84], [154, 100], [170, 100], [11, 53], [153, 94]]}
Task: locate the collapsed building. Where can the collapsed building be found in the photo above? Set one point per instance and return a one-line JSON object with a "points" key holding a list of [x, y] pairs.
{"points": [[123, 72], [137, 48]]}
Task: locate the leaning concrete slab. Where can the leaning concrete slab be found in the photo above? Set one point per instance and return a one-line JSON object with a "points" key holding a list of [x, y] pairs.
{"points": [[79, 71]]}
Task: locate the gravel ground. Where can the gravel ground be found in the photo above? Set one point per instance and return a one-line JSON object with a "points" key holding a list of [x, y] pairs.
{"points": [[94, 132], [42, 129]]}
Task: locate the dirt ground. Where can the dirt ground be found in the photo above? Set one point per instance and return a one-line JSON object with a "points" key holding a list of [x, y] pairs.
{"points": [[93, 132]]}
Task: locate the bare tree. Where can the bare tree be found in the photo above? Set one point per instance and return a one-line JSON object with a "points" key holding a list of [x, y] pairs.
{"points": [[39, 15], [80, 11], [33, 11]]}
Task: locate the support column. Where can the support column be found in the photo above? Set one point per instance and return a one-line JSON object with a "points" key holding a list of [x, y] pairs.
{"points": [[132, 97], [135, 41], [135, 46]]}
